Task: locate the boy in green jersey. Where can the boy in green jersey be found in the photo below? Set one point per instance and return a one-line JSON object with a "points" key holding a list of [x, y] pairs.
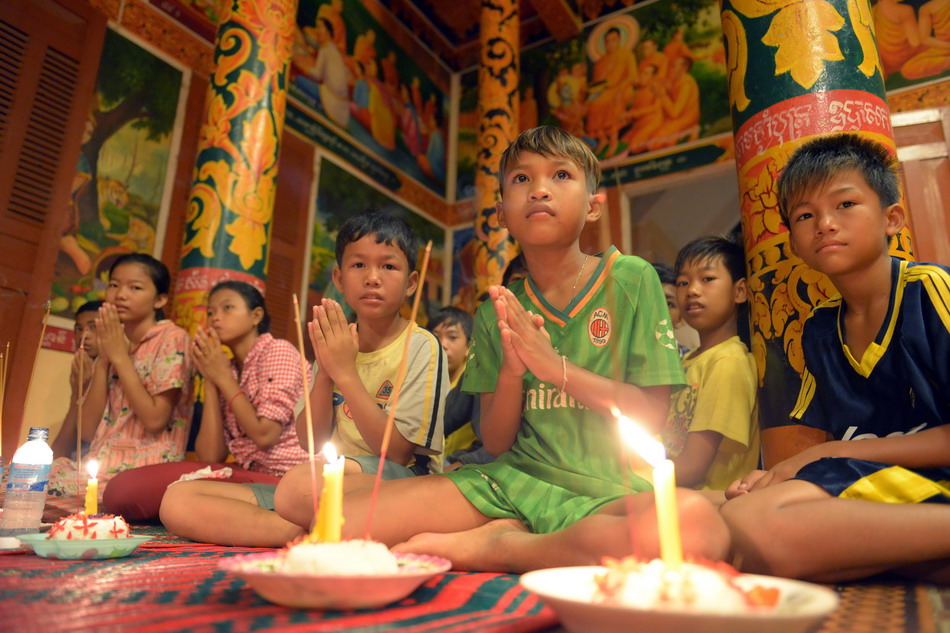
{"points": [[554, 357]]}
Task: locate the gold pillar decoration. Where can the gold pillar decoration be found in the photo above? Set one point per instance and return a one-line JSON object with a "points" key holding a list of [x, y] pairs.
{"points": [[232, 197], [497, 128]]}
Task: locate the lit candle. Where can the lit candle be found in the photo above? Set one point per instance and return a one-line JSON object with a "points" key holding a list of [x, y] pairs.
{"points": [[664, 488], [330, 514], [92, 488]]}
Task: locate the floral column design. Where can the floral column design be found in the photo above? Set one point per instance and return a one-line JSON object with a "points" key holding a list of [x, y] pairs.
{"points": [[497, 128], [797, 69], [232, 196]]}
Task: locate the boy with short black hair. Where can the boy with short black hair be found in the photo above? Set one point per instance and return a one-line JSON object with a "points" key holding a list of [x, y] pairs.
{"points": [[681, 331], [712, 431], [463, 442], [87, 349], [544, 364], [876, 370]]}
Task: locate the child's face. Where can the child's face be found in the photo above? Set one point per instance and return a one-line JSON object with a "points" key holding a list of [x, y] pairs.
{"points": [[86, 325], [229, 317], [133, 293], [454, 342], [374, 278], [669, 291], [545, 201], [707, 295], [840, 227]]}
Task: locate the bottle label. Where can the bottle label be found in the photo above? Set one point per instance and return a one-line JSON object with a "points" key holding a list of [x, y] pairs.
{"points": [[28, 478]]}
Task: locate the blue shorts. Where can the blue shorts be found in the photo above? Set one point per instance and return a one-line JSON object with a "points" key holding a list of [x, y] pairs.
{"points": [[850, 478]]}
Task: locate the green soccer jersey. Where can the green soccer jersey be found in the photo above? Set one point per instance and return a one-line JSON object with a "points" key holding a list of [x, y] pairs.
{"points": [[618, 324]]}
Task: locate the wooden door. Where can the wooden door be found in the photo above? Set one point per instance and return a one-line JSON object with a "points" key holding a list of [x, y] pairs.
{"points": [[50, 53]]}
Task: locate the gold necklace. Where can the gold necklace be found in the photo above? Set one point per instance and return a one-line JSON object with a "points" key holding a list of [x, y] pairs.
{"points": [[576, 279]]}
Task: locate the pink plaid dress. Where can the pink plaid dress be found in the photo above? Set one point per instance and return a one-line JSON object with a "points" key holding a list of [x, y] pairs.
{"points": [[121, 441], [271, 380]]}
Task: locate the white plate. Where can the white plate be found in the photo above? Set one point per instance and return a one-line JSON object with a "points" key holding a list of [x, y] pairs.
{"points": [[569, 591], [78, 550], [334, 592]]}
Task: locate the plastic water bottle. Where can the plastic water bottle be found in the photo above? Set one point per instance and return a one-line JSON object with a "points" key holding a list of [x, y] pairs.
{"points": [[26, 485]]}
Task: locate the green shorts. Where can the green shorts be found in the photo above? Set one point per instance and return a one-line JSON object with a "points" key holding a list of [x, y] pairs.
{"points": [[391, 470], [264, 493], [500, 491]]}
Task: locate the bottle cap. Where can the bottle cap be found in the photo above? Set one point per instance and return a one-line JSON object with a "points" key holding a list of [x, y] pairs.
{"points": [[38, 433]]}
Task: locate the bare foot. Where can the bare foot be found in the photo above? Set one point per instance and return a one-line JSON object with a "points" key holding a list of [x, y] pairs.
{"points": [[471, 550]]}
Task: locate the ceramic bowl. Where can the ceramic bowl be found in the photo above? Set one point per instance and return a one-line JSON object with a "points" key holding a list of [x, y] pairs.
{"points": [[569, 592], [334, 592], [82, 550]]}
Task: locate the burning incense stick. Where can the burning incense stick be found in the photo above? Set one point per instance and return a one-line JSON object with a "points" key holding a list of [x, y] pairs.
{"points": [[4, 357], [400, 376], [306, 406]]}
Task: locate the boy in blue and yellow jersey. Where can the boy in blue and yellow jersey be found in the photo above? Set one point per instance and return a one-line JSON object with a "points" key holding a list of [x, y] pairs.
{"points": [[554, 360], [877, 369]]}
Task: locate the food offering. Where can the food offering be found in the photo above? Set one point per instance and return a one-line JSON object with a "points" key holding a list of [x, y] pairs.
{"points": [[349, 574], [81, 536]]}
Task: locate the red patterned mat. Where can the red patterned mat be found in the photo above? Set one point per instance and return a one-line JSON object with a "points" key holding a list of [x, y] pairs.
{"points": [[165, 586]]}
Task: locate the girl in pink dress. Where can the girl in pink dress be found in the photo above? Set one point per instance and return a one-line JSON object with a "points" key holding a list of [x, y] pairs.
{"points": [[138, 408]]}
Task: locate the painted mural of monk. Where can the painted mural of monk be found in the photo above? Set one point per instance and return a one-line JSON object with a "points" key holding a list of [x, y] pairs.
{"points": [[650, 55], [898, 38], [677, 46], [645, 113], [613, 75], [680, 103], [934, 27]]}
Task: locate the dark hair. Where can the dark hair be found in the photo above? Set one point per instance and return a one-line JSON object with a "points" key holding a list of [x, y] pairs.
{"points": [[327, 24], [89, 306], [818, 161], [157, 272], [252, 298], [666, 273], [515, 266], [711, 248], [385, 227], [548, 140], [453, 316], [612, 29]]}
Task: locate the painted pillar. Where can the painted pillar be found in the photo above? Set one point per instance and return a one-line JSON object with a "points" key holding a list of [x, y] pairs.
{"points": [[797, 69], [497, 128], [232, 197]]}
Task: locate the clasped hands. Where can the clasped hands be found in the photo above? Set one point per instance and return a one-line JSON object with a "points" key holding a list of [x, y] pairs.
{"points": [[525, 344], [335, 342]]}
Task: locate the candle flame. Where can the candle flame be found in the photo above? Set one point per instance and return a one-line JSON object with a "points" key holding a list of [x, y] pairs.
{"points": [[637, 439], [92, 467], [329, 453]]}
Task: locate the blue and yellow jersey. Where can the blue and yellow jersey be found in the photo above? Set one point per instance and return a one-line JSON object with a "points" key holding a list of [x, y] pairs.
{"points": [[901, 384]]}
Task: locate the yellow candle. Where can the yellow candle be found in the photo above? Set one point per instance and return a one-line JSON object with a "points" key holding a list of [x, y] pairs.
{"points": [[664, 488], [667, 515], [330, 514], [92, 488]]}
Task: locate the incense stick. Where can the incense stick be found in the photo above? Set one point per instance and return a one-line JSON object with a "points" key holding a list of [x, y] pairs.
{"points": [[306, 407], [80, 399], [400, 376], [4, 356]]}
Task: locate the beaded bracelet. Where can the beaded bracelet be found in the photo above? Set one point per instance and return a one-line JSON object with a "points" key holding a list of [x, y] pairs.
{"points": [[563, 373]]}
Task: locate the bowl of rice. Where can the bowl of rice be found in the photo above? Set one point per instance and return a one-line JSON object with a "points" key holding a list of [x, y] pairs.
{"points": [[353, 574]]}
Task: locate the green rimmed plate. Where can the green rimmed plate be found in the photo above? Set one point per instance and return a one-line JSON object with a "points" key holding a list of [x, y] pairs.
{"points": [[82, 550]]}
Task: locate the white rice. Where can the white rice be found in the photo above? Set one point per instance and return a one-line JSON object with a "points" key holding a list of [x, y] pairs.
{"points": [[347, 558]]}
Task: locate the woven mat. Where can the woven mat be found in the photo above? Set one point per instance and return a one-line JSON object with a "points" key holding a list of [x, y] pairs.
{"points": [[168, 586], [171, 584]]}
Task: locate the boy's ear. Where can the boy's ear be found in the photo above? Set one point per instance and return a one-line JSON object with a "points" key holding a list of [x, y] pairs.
{"points": [[741, 289], [895, 218], [598, 201], [500, 210], [257, 314], [335, 276], [160, 301], [413, 281]]}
